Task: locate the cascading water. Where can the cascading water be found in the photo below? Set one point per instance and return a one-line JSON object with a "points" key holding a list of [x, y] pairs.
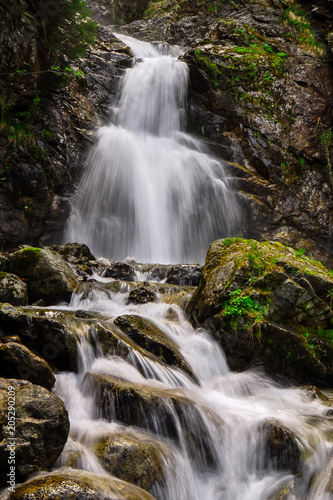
{"points": [[150, 191], [216, 448]]}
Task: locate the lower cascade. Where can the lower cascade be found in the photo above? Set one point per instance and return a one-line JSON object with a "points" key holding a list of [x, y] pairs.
{"points": [[150, 190], [155, 404]]}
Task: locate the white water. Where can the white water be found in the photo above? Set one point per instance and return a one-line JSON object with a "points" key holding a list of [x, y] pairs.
{"points": [[229, 409], [151, 191]]}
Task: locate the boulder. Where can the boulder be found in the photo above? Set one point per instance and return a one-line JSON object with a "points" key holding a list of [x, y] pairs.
{"points": [[13, 290], [148, 336], [16, 361], [75, 253], [47, 274], [47, 338], [142, 295], [267, 304], [184, 275], [76, 485], [167, 413], [41, 427], [281, 450], [120, 271], [134, 457]]}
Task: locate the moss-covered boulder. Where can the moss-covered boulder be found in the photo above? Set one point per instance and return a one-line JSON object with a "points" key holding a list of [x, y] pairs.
{"points": [[45, 336], [17, 361], [150, 337], [166, 412], [13, 290], [72, 484], [267, 304], [47, 274], [134, 457], [41, 427]]}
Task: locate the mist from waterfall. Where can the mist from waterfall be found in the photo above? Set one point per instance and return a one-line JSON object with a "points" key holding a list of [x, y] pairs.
{"points": [[151, 191]]}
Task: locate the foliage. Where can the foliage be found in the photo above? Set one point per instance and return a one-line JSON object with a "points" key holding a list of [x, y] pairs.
{"points": [[210, 67], [240, 305], [65, 31], [299, 21]]}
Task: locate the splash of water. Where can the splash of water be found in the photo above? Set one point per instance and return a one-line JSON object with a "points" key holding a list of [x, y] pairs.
{"points": [[150, 190]]}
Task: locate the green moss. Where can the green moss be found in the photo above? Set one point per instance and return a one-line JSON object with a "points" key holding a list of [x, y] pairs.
{"points": [[303, 33], [209, 66], [240, 305], [2, 274]]}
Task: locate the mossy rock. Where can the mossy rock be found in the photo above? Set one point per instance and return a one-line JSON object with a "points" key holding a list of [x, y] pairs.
{"points": [[47, 274], [267, 304], [134, 457], [69, 484]]}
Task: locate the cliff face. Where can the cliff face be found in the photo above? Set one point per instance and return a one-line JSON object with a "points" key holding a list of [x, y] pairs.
{"points": [[261, 92], [48, 120]]}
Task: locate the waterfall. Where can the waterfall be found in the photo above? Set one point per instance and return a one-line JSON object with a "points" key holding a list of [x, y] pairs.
{"points": [[151, 191]]}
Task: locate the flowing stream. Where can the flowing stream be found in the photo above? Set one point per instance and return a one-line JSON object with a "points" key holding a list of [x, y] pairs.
{"points": [[151, 191], [215, 447]]}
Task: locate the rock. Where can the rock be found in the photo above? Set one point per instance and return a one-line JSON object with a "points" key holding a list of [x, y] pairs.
{"points": [[16, 361], [10, 338], [158, 410], [47, 274], [142, 295], [41, 427], [77, 485], [184, 275], [267, 304], [46, 337], [75, 253], [120, 271], [13, 290], [134, 457], [147, 335], [282, 451]]}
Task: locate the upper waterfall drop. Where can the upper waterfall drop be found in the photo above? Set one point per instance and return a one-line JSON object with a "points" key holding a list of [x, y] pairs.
{"points": [[150, 191]]}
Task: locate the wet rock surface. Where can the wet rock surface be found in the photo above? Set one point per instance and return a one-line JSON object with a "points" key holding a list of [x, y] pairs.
{"points": [[77, 485], [16, 361], [41, 428], [136, 458], [266, 304], [184, 275], [13, 290], [157, 410], [150, 337], [46, 337], [47, 274]]}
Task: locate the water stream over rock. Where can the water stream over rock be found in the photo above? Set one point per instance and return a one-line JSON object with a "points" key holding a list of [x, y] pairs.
{"points": [[214, 434], [150, 190]]}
